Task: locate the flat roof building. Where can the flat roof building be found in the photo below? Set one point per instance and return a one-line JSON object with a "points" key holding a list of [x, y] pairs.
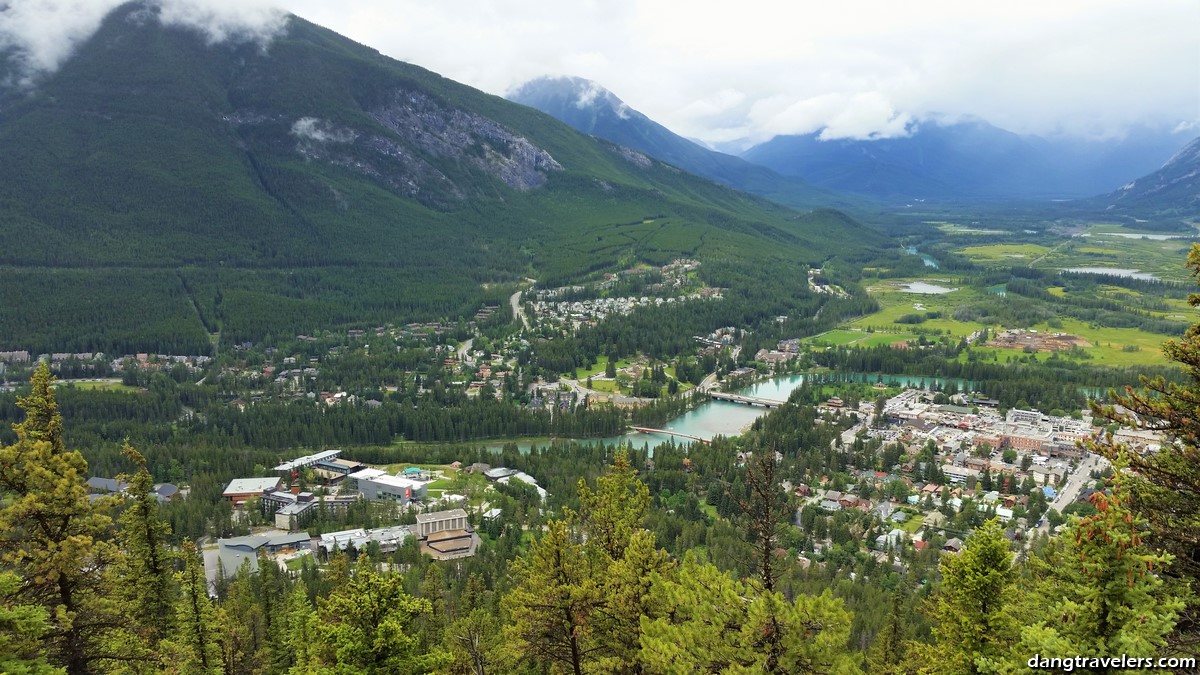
{"points": [[431, 523], [308, 460], [241, 489], [376, 485]]}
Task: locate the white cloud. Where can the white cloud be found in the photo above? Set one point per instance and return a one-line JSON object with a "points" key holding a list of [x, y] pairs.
{"points": [[44, 33], [220, 20], [721, 72], [1074, 66], [588, 95], [837, 115], [321, 131]]}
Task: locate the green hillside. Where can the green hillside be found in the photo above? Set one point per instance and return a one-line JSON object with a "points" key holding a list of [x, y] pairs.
{"points": [[175, 187]]}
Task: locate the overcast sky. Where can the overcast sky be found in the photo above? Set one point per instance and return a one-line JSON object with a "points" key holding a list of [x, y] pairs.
{"points": [[751, 69], [721, 70]]}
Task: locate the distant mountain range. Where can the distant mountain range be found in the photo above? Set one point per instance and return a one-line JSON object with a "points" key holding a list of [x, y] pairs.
{"points": [[967, 160], [592, 109], [959, 161]]}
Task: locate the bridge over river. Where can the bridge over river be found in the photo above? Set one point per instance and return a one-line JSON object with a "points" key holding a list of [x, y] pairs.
{"points": [[648, 430], [746, 400]]}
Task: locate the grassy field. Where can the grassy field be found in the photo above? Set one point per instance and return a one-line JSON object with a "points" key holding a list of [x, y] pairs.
{"points": [[1101, 247], [102, 385], [606, 386], [896, 302], [914, 523], [957, 229], [598, 369], [1005, 253], [1108, 344]]}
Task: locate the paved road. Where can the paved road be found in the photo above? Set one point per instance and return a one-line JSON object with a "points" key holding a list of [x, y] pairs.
{"points": [[464, 349], [1081, 476], [518, 311]]}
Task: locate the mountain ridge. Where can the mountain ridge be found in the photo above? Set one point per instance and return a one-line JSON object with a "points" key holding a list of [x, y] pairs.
{"points": [[967, 159], [587, 106], [242, 179]]}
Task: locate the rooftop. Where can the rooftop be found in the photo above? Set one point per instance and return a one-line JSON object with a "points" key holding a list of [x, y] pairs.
{"points": [[440, 515], [247, 485], [308, 460]]}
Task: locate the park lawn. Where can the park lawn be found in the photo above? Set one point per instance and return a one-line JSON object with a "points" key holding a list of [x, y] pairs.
{"points": [[876, 339], [1162, 258], [1003, 252], [1001, 354], [957, 229], [101, 386], [838, 338], [606, 386], [447, 470], [1178, 309], [598, 369]]}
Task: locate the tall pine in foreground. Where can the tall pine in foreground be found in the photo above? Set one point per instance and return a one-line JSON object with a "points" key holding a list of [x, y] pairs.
{"points": [[146, 576], [1100, 588], [193, 648], [59, 542], [1166, 485], [972, 608]]}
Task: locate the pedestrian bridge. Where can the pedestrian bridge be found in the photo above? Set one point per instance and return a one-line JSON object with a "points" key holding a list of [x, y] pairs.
{"points": [[745, 400], [648, 430]]}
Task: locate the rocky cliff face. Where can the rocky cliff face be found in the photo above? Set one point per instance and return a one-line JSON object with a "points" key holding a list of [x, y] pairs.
{"points": [[1172, 190], [459, 135]]}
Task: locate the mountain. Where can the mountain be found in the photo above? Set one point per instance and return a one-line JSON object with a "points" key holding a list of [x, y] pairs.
{"points": [[592, 109], [966, 160], [159, 189], [1171, 191]]}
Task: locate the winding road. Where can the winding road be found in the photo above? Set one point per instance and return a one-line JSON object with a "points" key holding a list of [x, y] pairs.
{"points": [[518, 311]]}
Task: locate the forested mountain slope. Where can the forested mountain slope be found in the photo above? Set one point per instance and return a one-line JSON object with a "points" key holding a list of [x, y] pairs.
{"points": [[158, 187]]}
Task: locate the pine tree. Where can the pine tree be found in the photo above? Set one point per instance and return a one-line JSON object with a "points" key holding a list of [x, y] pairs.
{"points": [[57, 540], [474, 641], [433, 588], [301, 623], [888, 653], [714, 623], [365, 627], [612, 513], [145, 577], [192, 649], [1102, 587], [1166, 487], [625, 589], [972, 606], [21, 630], [551, 607]]}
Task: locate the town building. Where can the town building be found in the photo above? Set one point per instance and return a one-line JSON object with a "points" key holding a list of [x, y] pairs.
{"points": [[240, 490], [389, 539], [308, 460], [446, 535], [378, 485], [234, 552]]}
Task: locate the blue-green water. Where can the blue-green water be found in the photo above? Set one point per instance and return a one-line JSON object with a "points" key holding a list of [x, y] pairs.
{"points": [[721, 418], [929, 260]]}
